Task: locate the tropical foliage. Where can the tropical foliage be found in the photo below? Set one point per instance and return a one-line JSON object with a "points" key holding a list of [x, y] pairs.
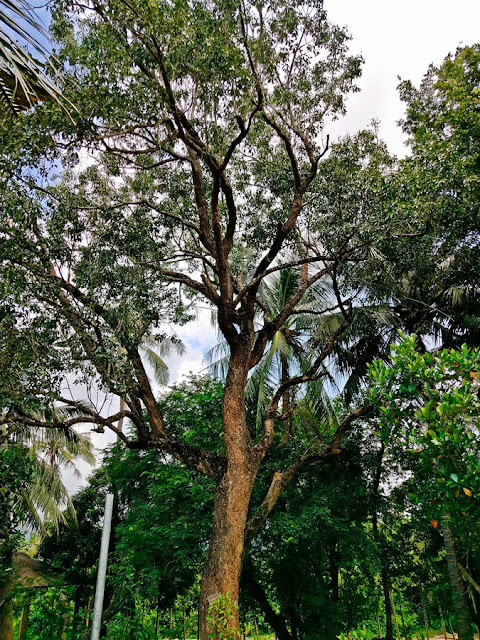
{"points": [[24, 78], [324, 485]]}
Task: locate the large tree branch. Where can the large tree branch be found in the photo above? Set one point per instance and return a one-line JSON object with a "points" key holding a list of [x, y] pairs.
{"points": [[197, 458], [224, 277], [281, 479], [201, 201], [101, 422], [206, 287], [288, 148]]}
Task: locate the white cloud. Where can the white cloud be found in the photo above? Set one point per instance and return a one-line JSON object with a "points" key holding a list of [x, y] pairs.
{"points": [[398, 39], [198, 337]]}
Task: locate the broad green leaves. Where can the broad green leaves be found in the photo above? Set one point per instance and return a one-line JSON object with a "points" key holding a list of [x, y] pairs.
{"points": [[429, 406]]}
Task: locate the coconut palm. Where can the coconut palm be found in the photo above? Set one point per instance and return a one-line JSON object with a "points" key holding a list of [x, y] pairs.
{"points": [[50, 451], [54, 450], [45, 497], [372, 330], [290, 349]]}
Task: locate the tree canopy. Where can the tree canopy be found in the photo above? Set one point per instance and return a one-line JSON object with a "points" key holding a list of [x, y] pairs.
{"points": [[210, 171]]}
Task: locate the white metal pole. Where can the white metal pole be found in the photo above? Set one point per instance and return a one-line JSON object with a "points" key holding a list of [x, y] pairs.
{"points": [[102, 568]]}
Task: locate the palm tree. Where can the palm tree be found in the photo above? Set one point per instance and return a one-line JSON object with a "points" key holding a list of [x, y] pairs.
{"points": [[45, 497], [49, 450], [291, 348], [48, 499], [372, 330]]}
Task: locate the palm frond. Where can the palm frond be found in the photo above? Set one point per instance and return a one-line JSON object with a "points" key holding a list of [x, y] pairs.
{"points": [[281, 345], [217, 359], [153, 347], [48, 495], [320, 404], [63, 445], [46, 498], [458, 296], [160, 369], [164, 344], [23, 80], [261, 385]]}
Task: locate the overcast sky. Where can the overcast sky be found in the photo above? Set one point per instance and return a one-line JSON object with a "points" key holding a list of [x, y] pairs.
{"points": [[398, 39], [395, 39]]}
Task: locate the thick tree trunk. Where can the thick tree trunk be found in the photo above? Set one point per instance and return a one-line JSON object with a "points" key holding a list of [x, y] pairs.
{"points": [[6, 618], [464, 628], [232, 497], [224, 560], [6, 614]]}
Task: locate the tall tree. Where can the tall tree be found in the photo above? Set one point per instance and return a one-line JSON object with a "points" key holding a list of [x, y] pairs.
{"points": [[438, 286], [206, 181]]}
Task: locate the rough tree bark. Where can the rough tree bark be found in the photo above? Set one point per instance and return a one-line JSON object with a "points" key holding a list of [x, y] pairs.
{"points": [[377, 537], [464, 627], [6, 617], [224, 560], [232, 498]]}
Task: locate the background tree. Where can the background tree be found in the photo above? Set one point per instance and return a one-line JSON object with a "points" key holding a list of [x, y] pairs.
{"points": [[320, 531], [429, 403], [437, 284]]}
